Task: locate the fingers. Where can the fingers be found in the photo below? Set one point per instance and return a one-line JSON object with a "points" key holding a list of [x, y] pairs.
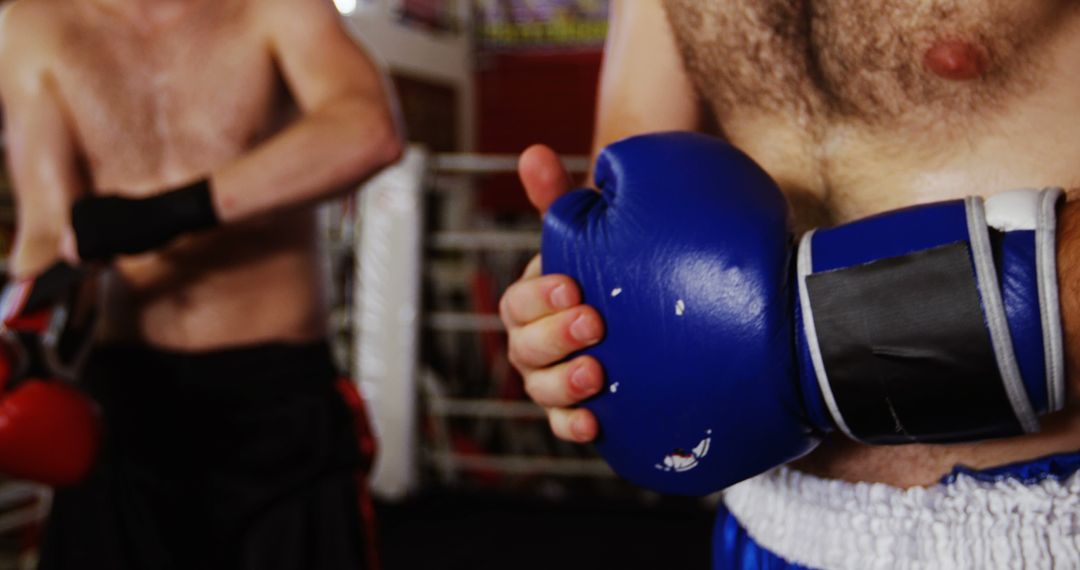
{"points": [[531, 299], [543, 175], [546, 341], [546, 322], [565, 384], [577, 425]]}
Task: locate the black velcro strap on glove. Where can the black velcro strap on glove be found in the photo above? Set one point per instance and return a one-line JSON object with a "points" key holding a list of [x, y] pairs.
{"points": [[48, 323], [908, 355], [106, 226]]}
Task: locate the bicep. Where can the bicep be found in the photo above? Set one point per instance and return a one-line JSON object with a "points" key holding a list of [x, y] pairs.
{"points": [[321, 63], [643, 85]]}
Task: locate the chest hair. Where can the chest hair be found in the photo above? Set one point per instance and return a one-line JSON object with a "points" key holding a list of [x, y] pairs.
{"points": [[855, 59]]}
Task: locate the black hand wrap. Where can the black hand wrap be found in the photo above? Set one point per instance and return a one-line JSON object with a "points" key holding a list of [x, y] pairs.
{"points": [[110, 225]]}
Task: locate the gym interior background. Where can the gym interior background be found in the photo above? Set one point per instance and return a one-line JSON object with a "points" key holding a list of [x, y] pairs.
{"points": [[468, 475]]}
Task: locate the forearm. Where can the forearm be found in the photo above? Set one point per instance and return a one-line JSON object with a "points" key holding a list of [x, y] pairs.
{"points": [[43, 167], [33, 251], [329, 150], [326, 152]]}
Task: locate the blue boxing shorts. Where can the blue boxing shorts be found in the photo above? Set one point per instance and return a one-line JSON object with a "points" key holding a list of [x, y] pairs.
{"points": [[1022, 515]]}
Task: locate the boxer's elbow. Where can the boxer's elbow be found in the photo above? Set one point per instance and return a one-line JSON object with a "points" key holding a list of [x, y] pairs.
{"points": [[375, 141], [390, 141]]}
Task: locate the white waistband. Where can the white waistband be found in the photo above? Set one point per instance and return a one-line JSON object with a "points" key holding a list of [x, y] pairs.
{"points": [[968, 523]]}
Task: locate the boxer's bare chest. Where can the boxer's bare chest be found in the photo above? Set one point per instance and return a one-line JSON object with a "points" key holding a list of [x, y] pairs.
{"points": [[155, 103], [865, 59], [857, 106]]}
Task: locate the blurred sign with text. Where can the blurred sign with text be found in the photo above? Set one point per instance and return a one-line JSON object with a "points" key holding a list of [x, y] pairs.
{"points": [[539, 24]]}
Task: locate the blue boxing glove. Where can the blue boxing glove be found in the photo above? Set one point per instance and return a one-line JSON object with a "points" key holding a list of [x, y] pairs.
{"points": [[936, 323], [731, 350]]}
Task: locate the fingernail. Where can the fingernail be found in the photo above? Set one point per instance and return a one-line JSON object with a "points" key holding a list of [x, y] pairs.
{"points": [[585, 330], [584, 382], [560, 297], [580, 428]]}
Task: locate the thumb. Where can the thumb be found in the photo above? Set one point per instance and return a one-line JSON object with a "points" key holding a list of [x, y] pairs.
{"points": [[543, 175]]}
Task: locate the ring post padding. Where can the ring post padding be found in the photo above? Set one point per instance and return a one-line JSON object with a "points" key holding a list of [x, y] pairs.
{"points": [[387, 314]]}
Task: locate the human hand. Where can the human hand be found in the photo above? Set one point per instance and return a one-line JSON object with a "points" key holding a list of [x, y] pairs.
{"points": [[547, 322]]}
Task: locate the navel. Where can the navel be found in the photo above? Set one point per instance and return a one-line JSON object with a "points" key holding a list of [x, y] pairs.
{"points": [[956, 60]]}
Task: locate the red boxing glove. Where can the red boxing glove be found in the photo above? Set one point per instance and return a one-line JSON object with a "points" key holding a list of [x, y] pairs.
{"points": [[49, 430]]}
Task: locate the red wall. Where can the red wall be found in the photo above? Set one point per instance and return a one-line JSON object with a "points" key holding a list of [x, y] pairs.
{"points": [[533, 98]]}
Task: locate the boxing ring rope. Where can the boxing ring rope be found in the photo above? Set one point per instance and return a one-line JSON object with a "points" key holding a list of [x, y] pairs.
{"points": [[22, 504], [461, 321], [469, 163], [23, 509], [412, 408], [524, 465], [485, 240], [485, 408]]}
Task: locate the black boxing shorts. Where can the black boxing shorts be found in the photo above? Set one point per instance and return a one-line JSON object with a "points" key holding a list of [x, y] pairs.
{"points": [[241, 459]]}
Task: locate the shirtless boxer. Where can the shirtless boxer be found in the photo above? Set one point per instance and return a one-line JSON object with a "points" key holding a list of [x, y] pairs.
{"points": [[198, 134], [853, 108]]}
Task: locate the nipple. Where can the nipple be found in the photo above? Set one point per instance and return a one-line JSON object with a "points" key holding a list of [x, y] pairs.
{"points": [[956, 60]]}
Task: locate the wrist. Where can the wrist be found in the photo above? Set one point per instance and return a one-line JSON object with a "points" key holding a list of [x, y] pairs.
{"points": [[186, 209], [106, 226]]}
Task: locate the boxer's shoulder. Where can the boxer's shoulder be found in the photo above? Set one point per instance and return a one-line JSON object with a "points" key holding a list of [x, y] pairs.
{"points": [[287, 16], [28, 34], [23, 21], [31, 32]]}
